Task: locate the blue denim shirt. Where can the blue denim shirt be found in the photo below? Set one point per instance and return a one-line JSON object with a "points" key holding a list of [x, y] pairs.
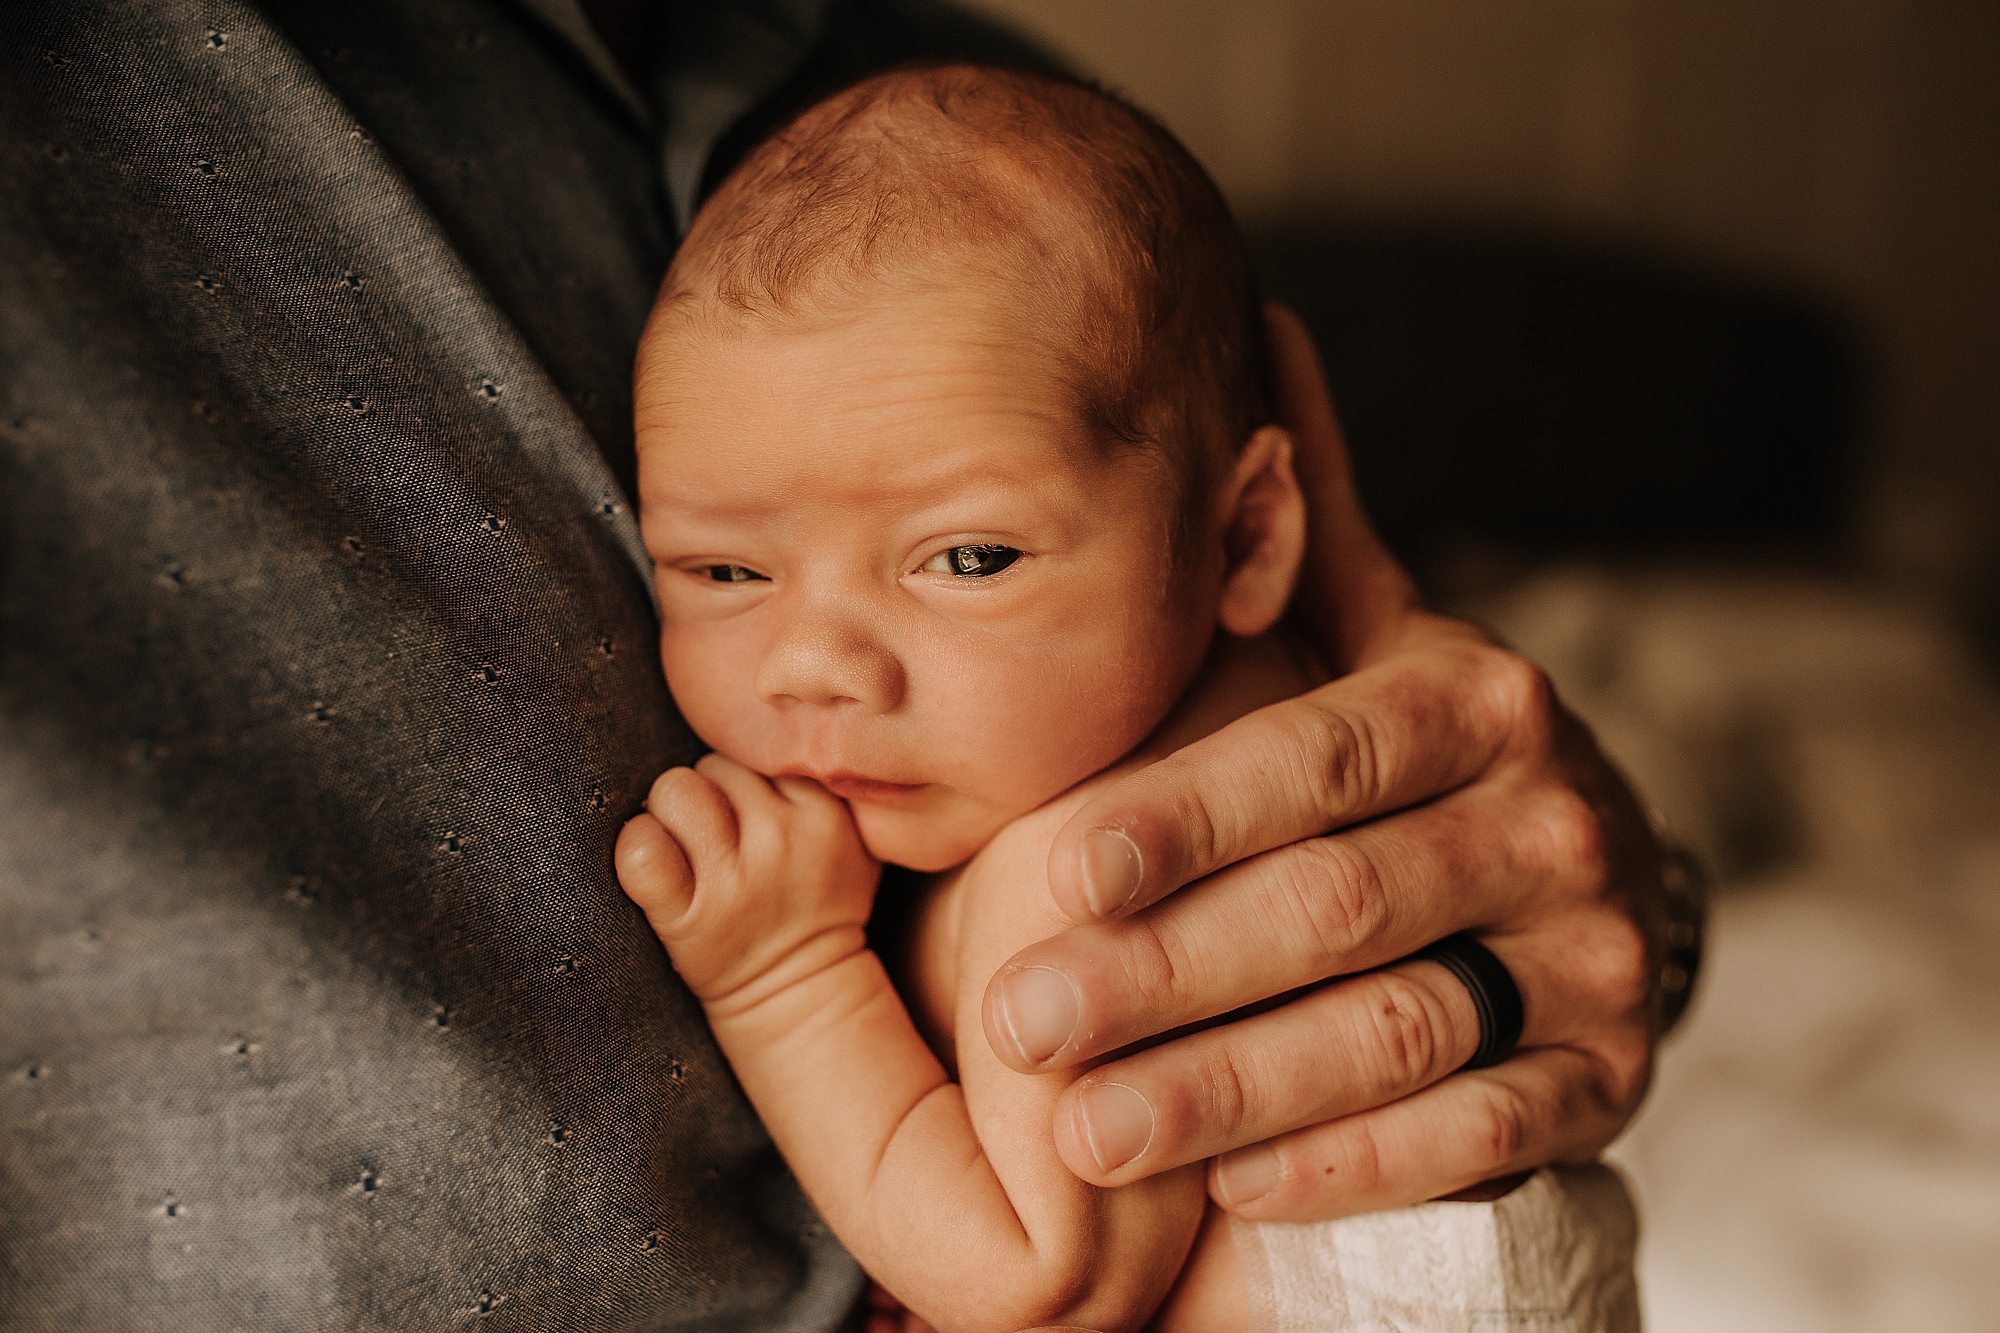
{"points": [[328, 671]]}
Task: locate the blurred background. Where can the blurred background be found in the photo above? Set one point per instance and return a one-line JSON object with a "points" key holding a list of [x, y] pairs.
{"points": [[1665, 333]]}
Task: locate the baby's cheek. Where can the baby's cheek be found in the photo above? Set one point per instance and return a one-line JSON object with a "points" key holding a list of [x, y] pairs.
{"points": [[1055, 738], [708, 692]]}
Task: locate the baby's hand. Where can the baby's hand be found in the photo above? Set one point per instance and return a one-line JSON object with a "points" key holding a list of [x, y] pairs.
{"points": [[752, 883]]}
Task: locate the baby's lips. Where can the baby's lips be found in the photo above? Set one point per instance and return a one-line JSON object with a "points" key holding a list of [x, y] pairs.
{"points": [[867, 790]]}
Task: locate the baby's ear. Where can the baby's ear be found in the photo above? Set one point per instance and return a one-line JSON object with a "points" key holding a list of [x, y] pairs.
{"points": [[1263, 534]]}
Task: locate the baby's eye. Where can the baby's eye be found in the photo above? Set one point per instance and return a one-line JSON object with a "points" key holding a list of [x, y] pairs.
{"points": [[735, 574], [972, 562]]}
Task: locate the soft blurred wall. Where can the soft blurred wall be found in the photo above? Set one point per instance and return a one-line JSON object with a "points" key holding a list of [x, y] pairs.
{"points": [[1849, 146]]}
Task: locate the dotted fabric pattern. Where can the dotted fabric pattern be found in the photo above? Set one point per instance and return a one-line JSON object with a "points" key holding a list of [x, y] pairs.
{"points": [[327, 675]]}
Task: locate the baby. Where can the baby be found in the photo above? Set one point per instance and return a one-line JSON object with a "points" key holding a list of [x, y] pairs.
{"points": [[957, 473]]}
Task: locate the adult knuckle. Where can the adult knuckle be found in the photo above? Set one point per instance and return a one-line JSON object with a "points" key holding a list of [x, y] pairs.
{"points": [[1159, 967], [1567, 840], [1341, 760], [1408, 1032], [1228, 1086], [1624, 1069], [1621, 969], [1522, 696], [1199, 827], [1362, 1167], [1175, 810], [1339, 895], [1500, 1125]]}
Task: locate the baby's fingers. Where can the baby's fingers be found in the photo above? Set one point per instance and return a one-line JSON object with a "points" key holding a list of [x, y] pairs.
{"points": [[654, 873], [750, 795], [698, 814]]}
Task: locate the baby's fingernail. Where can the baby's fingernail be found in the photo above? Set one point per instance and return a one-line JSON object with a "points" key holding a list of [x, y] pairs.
{"points": [[1246, 1174], [1112, 869], [1117, 1123], [1039, 1007]]}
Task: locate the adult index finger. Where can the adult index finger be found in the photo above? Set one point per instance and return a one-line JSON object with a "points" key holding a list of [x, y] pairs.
{"points": [[1353, 594], [1288, 918], [1386, 737]]}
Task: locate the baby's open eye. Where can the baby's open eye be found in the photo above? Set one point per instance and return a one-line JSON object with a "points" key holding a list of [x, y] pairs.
{"points": [[735, 574], [972, 562]]}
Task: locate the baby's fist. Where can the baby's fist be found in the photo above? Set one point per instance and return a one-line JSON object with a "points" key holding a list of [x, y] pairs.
{"points": [[746, 879]]}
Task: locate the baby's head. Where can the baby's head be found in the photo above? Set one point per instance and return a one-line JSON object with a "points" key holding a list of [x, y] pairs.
{"points": [[954, 450]]}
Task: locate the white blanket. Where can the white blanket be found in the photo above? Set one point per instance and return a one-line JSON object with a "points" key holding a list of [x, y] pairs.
{"points": [[1554, 1256]]}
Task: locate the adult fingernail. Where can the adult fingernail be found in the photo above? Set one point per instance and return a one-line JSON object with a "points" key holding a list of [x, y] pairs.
{"points": [[1039, 1008], [1117, 1123], [1246, 1174], [1112, 869]]}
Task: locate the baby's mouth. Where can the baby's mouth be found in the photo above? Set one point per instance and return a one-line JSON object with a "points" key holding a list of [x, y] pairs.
{"points": [[868, 791]]}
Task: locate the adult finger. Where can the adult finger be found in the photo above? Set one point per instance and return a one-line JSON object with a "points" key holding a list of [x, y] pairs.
{"points": [[1356, 1044], [1363, 745], [1354, 594], [1287, 918], [1343, 1049], [1553, 1104]]}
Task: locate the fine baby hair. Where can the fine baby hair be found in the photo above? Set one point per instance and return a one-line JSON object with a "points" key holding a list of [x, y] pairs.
{"points": [[1074, 201]]}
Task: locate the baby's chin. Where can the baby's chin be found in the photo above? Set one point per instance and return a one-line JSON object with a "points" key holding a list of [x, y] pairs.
{"points": [[922, 841]]}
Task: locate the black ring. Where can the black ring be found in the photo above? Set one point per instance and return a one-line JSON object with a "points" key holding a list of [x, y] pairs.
{"points": [[1493, 992]]}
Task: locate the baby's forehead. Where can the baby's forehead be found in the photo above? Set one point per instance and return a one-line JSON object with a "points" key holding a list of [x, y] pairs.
{"points": [[929, 400], [973, 344], [907, 395]]}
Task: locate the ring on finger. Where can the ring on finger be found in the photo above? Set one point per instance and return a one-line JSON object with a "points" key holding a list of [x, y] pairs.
{"points": [[1495, 997]]}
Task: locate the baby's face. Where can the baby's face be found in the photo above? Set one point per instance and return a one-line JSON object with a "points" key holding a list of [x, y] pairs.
{"points": [[890, 559]]}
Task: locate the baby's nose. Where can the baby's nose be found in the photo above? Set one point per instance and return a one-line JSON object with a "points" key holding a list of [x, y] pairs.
{"points": [[830, 663]]}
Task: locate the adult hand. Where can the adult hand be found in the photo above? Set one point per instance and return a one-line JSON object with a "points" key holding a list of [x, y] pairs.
{"points": [[1438, 786]]}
